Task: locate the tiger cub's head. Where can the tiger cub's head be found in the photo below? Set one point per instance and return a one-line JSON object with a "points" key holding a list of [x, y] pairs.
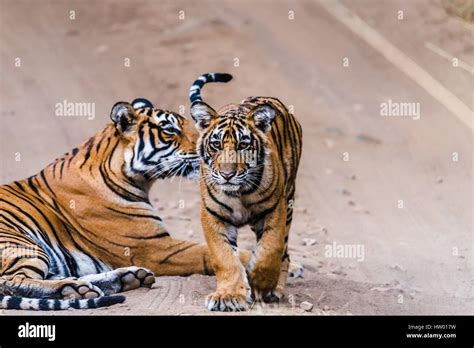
{"points": [[158, 143], [233, 144]]}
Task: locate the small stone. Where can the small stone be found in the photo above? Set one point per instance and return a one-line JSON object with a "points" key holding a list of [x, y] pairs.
{"points": [[439, 180], [345, 192], [329, 143], [357, 107], [397, 267], [334, 131], [353, 177], [319, 229], [307, 306], [101, 49], [301, 210], [309, 241], [368, 139], [357, 207], [339, 271]]}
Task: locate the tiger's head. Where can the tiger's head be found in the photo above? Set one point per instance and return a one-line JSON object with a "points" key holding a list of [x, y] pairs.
{"points": [[233, 144], [157, 143]]}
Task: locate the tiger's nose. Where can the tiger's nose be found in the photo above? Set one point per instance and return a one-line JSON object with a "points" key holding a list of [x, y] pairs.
{"points": [[227, 175]]}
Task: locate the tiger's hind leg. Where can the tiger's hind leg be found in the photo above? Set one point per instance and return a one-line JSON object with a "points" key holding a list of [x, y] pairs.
{"points": [[121, 279], [23, 270]]}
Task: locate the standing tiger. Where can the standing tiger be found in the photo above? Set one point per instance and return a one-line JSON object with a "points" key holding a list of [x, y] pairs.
{"points": [[250, 154], [70, 235]]}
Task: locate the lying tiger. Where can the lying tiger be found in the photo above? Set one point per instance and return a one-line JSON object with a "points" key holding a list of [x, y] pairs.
{"points": [[84, 228], [250, 155]]}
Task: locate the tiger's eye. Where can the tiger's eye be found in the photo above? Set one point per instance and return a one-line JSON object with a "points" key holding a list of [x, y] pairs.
{"points": [[243, 146], [216, 144]]}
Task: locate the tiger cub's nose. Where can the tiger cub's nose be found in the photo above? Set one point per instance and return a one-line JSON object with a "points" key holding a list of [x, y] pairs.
{"points": [[227, 175]]}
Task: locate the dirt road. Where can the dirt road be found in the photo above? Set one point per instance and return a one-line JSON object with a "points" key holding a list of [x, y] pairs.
{"points": [[397, 190]]}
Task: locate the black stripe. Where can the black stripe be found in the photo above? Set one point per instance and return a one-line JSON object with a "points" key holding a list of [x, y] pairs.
{"points": [[156, 236], [261, 215], [214, 198], [227, 221], [89, 143], [43, 304], [46, 183], [136, 215], [177, 252], [30, 267], [14, 302], [19, 186], [32, 186]]}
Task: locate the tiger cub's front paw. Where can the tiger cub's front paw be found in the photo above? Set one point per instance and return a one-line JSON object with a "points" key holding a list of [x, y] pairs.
{"points": [[228, 301]]}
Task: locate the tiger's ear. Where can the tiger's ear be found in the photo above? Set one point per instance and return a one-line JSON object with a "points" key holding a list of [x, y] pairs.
{"points": [[263, 117], [123, 116], [202, 114], [141, 103]]}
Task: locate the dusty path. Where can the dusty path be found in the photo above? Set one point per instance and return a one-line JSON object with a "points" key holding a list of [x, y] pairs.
{"points": [[417, 259]]}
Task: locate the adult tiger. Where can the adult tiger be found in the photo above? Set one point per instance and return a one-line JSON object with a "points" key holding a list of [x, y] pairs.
{"points": [[250, 154], [75, 229]]}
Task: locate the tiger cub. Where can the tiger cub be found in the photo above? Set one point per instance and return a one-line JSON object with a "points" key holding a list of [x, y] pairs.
{"points": [[249, 159]]}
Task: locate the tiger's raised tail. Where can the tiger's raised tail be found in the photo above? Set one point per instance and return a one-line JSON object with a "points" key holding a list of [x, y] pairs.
{"points": [[195, 90], [45, 304]]}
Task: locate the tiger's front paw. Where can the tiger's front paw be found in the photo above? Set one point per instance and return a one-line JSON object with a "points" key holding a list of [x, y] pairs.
{"points": [[228, 301], [262, 281]]}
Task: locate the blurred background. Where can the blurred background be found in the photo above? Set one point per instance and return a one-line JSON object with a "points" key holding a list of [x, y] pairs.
{"points": [[398, 186]]}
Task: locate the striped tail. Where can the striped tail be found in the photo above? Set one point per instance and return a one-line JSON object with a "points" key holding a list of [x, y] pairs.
{"points": [[15, 302], [195, 90]]}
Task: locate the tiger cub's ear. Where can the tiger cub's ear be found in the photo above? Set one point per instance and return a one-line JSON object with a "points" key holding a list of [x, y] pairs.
{"points": [[263, 117], [202, 114], [123, 116]]}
